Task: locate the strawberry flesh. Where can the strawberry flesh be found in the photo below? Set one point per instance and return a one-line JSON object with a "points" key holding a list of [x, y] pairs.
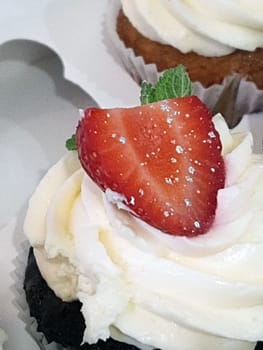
{"points": [[164, 158]]}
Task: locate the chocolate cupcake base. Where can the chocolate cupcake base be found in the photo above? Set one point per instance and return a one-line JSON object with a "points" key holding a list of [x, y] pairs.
{"points": [[60, 322]]}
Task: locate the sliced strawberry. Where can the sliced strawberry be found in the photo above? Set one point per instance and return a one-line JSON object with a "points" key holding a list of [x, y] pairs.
{"points": [[164, 157]]}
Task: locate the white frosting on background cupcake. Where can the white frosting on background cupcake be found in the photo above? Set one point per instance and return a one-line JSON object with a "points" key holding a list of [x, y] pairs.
{"points": [[209, 28]]}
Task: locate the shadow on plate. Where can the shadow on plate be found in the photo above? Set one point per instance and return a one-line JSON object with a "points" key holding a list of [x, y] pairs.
{"points": [[39, 111]]}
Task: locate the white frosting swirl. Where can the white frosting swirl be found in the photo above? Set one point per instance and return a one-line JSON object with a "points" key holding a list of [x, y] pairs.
{"points": [[209, 28], [153, 289]]}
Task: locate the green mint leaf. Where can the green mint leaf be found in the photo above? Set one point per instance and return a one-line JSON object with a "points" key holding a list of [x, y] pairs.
{"points": [[71, 143], [147, 90], [174, 82]]}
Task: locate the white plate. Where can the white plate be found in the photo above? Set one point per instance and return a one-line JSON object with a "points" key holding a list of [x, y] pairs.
{"points": [[39, 111]]}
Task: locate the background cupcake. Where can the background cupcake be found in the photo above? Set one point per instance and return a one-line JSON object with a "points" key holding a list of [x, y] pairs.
{"points": [[212, 39]]}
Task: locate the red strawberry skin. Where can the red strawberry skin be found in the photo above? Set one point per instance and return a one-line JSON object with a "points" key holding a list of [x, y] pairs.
{"points": [[164, 157]]}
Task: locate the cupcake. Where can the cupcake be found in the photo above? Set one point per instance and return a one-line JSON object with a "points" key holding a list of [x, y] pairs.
{"points": [[147, 234], [212, 39]]}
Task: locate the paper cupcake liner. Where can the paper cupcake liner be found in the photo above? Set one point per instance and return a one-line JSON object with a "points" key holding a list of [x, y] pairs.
{"points": [[241, 96], [3, 338], [133, 64], [233, 98], [31, 326]]}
